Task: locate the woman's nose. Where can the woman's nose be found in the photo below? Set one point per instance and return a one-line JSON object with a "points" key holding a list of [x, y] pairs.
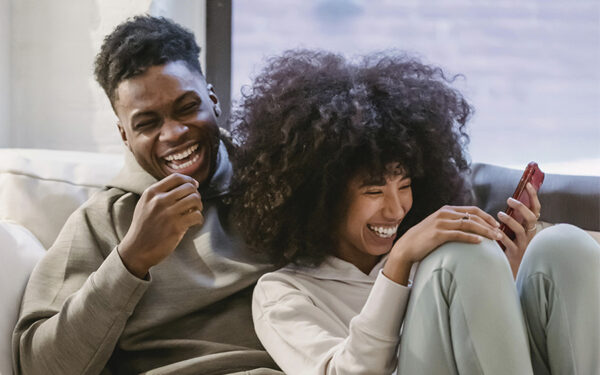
{"points": [[393, 207]]}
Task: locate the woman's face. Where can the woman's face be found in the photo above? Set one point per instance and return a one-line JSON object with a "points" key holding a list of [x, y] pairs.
{"points": [[373, 213]]}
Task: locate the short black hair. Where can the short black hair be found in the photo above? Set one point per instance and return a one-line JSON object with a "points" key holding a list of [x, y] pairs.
{"points": [[313, 120], [140, 43]]}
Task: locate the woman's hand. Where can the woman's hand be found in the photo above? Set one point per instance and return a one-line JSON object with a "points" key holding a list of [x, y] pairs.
{"points": [[449, 223], [524, 232]]}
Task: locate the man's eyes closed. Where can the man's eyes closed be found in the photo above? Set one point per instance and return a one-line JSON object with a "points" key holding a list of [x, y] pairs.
{"points": [[146, 124], [189, 108]]}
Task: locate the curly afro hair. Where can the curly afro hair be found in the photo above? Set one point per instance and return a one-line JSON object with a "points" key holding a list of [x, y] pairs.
{"points": [[140, 43], [313, 120]]}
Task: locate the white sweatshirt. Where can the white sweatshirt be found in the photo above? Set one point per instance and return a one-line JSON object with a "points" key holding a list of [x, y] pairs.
{"points": [[333, 319]]}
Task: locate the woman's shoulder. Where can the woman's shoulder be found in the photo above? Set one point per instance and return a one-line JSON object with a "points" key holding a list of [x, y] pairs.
{"points": [[288, 282], [295, 281]]}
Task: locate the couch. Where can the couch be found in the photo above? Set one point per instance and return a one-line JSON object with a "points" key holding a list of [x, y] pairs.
{"points": [[39, 189]]}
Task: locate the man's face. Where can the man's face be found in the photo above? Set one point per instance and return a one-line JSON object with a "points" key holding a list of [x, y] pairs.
{"points": [[167, 118]]}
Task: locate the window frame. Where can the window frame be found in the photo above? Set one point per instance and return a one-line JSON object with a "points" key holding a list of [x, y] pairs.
{"points": [[218, 53]]}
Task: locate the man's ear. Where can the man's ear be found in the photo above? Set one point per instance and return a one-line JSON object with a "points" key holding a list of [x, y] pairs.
{"points": [[123, 134], [214, 98]]}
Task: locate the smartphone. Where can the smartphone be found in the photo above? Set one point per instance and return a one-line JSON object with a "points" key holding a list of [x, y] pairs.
{"points": [[535, 176]]}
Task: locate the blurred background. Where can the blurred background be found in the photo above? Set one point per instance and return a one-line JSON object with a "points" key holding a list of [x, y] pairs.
{"points": [[530, 68]]}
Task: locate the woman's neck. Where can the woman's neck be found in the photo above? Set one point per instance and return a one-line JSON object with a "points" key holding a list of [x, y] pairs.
{"points": [[362, 261]]}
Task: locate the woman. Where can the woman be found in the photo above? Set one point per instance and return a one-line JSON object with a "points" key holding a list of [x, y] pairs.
{"points": [[353, 173]]}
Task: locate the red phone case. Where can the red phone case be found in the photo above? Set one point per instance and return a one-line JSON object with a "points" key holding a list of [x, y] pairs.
{"points": [[535, 176]]}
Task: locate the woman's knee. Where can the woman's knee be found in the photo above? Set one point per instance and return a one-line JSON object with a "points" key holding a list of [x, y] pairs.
{"points": [[484, 259], [562, 244]]}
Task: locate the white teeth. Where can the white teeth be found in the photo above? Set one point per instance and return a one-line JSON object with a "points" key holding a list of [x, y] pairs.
{"points": [[384, 232], [182, 155], [184, 165]]}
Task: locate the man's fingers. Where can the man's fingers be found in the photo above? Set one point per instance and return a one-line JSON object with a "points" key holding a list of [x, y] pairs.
{"points": [[186, 204], [194, 217], [181, 191], [172, 181]]}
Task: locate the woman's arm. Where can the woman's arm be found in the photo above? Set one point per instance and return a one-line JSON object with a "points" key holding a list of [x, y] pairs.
{"points": [[305, 336]]}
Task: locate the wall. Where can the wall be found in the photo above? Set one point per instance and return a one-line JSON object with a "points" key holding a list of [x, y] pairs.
{"points": [[4, 72], [55, 101], [531, 67]]}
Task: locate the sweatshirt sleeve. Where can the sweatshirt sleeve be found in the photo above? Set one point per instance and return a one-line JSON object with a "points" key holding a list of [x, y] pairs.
{"points": [[75, 306], [304, 338]]}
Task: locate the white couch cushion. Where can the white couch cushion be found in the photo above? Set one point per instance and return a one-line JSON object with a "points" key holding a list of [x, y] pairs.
{"points": [[39, 189], [19, 251]]}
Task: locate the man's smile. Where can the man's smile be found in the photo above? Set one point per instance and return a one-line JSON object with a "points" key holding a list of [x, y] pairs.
{"points": [[185, 158]]}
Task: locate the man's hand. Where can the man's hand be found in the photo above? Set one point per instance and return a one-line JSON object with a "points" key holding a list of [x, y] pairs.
{"points": [[163, 214]]}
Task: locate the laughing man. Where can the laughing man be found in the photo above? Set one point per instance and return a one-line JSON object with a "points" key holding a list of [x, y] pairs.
{"points": [[146, 275]]}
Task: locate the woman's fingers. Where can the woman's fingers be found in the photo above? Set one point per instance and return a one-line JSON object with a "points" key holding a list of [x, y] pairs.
{"points": [[536, 206], [472, 225], [460, 236], [529, 217], [476, 213]]}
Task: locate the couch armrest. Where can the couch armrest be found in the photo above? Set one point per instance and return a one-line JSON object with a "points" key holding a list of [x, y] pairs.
{"points": [[565, 199], [20, 251]]}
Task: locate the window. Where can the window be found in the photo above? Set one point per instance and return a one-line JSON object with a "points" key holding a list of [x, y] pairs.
{"points": [[531, 67]]}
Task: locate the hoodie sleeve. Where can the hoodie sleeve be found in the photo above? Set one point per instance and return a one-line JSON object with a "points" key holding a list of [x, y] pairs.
{"points": [[76, 303], [302, 339]]}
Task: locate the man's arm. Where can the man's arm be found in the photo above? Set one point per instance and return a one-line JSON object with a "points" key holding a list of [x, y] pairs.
{"points": [[75, 306], [80, 296]]}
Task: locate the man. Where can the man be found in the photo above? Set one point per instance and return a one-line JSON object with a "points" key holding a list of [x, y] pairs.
{"points": [[146, 276]]}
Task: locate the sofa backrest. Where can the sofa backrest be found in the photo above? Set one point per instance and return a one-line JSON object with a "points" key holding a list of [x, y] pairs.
{"points": [[564, 198], [39, 189]]}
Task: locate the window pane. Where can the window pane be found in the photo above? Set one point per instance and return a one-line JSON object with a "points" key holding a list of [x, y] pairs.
{"points": [[532, 68]]}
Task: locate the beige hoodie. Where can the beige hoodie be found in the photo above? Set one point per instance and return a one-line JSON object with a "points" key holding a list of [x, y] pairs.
{"points": [[84, 313]]}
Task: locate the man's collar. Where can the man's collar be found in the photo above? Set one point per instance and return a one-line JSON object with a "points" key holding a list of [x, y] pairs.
{"points": [[135, 179]]}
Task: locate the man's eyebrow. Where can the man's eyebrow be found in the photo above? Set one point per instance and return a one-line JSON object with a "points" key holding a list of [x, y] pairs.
{"points": [[186, 95], [142, 114]]}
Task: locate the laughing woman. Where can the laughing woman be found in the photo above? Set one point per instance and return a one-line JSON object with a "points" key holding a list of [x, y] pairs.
{"points": [[351, 174]]}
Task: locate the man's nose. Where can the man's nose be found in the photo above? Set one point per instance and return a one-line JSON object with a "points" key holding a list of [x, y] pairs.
{"points": [[172, 130]]}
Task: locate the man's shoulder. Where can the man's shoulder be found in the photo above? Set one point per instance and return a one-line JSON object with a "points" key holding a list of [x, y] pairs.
{"points": [[107, 197]]}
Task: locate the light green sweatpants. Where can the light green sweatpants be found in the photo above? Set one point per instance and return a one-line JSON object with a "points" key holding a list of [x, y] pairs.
{"points": [[559, 285], [464, 315]]}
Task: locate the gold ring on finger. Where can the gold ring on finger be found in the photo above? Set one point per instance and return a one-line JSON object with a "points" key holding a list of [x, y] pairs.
{"points": [[466, 217], [531, 229]]}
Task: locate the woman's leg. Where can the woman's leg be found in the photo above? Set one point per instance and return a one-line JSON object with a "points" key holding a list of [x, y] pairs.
{"points": [[464, 315], [559, 285]]}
